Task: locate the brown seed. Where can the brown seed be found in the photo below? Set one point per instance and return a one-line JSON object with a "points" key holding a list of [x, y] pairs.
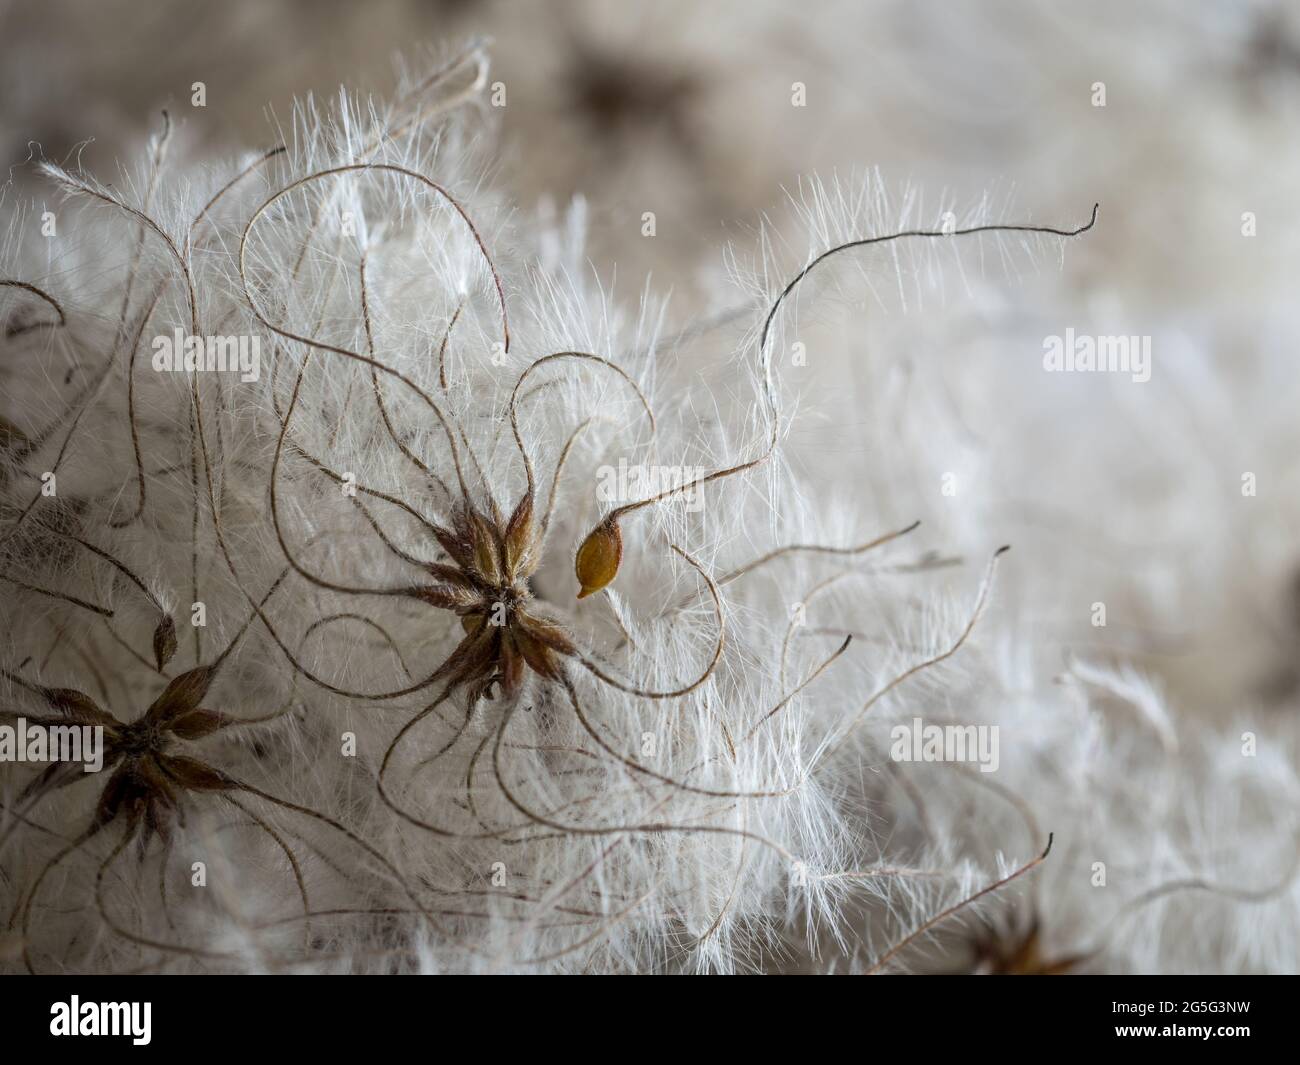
{"points": [[598, 558], [164, 641]]}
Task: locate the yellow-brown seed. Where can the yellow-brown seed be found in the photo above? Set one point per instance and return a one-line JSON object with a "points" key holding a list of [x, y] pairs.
{"points": [[598, 558]]}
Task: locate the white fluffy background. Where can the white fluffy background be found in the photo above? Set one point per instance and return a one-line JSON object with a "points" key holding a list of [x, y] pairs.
{"points": [[922, 361]]}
